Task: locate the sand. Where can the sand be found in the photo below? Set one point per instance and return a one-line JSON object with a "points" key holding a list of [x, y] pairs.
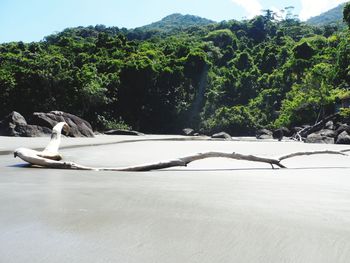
{"points": [[214, 210]]}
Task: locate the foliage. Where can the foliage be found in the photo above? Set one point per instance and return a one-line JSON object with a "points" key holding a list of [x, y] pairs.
{"points": [[346, 14], [235, 76]]}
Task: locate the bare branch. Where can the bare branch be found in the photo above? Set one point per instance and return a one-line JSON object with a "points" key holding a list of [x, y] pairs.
{"points": [[291, 155]]}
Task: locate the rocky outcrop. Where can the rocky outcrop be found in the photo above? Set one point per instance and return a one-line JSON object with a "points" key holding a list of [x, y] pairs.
{"points": [[9, 123], [343, 138], [317, 138], [331, 129], [77, 126], [327, 133], [41, 124], [342, 127], [15, 124], [32, 131]]}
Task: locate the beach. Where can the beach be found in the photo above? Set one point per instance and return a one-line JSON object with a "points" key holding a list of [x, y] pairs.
{"points": [[213, 210]]}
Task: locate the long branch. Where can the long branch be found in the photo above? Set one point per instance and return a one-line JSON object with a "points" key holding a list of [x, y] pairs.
{"points": [[44, 158], [291, 155]]}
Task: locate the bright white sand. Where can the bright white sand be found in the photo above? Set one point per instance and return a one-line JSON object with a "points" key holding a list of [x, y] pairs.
{"points": [[214, 210]]}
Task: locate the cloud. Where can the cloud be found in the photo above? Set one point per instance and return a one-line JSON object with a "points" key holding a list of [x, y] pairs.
{"points": [[252, 7], [311, 8]]}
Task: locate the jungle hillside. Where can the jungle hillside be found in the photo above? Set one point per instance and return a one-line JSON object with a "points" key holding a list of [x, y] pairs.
{"points": [[183, 71]]}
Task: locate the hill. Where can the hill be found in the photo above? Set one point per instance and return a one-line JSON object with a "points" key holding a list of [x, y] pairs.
{"points": [[233, 76], [332, 16], [177, 21], [168, 25]]}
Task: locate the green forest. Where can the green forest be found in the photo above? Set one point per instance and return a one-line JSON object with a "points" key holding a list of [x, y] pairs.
{"points": [[236, 76]]}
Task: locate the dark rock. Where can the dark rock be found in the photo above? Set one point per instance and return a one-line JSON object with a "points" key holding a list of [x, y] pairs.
{"points": [[263, 134], [188, 131], [327, 133], [77, 126], [32, 131], [123, 132], [317, 138], [222, 135], [281, 132], [9, 123], [329, 125], [343, 127], [343, 138], [15, 124]]}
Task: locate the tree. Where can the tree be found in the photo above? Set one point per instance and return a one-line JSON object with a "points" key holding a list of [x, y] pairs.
{"points": [[346, 14]]}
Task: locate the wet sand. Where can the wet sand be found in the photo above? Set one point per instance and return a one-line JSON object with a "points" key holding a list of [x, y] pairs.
{"points": [[214, 210]]}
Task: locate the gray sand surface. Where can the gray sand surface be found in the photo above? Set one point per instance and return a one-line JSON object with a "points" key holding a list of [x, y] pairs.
{"points": [[214, 210]]}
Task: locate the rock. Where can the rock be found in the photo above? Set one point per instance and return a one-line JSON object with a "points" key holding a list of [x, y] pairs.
{"points": [[222, 135], [263, 134], [188, 131], [281, 132], [123, 132], [77, 126], [342, 127], [317, 138], [9, 123], [32, 131], [15, 124], [327, 133], [329, 125], [343, 138]]}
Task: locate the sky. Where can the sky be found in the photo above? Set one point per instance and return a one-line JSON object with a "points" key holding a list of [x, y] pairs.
{"points": [[32, 20]]}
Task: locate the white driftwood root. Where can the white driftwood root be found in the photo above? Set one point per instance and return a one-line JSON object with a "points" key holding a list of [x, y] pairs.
{"points": [[50, 158]]}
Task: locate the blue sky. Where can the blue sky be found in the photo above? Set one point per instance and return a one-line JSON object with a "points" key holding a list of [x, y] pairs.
{"points": [[31, 20]]}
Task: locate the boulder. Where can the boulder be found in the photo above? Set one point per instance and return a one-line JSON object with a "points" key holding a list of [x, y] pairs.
{"points": [[15, 124], [32, 131], [222, 135], [263, 134], [123, 132], [327, 133], [318, 138], [342, 127], [329, 125], [281, 132], [77, 126], [188, 131], [9, 123], [343, 138]]}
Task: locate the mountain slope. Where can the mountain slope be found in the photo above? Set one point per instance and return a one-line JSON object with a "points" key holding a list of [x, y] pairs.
{"points": [[332, 16], [177, 21]]}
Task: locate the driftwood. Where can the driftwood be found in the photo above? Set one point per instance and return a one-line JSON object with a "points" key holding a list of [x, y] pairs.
{"points": [[50, 158]]}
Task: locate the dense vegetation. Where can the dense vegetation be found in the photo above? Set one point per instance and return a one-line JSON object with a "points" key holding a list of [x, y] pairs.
{"points": [[233, 76]]}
